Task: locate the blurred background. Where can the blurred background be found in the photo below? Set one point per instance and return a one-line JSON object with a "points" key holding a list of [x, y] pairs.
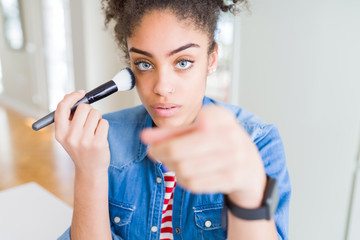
{"points": [[295, 64]]}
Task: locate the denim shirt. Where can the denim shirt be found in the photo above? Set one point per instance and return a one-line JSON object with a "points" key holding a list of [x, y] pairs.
{"points": [[136, 183]]}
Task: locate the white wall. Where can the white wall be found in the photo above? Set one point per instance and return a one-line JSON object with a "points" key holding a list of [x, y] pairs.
{"points": [[300, 70], [96, 59], [102, 57], [24, 70], [354, 230]]}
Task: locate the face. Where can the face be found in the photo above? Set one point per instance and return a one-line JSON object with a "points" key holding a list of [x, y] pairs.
{"points": [[170, 60]]}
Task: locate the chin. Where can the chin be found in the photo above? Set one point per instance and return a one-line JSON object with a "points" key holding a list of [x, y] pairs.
{"points": [[168, 123]]}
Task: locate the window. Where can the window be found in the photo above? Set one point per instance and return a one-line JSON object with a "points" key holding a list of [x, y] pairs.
{"points": [[57, 40], [222, 85], [1, 82], [12, 24]]}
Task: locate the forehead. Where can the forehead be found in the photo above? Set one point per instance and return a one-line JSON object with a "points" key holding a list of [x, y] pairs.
{"points": [[162, 30]]}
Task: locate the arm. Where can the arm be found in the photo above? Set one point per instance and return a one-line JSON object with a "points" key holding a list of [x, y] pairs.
{"points": [[84, 137], [91, 213], [225, 160], [269, 144], [245, 229]]}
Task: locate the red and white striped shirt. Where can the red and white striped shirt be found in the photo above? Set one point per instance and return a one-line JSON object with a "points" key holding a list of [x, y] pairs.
{"points": [[166, 232]]}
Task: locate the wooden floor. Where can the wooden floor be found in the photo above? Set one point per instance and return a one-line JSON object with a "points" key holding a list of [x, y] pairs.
{"points": [[29, 156]]}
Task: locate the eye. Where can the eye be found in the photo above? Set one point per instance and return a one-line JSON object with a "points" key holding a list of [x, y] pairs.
{"points": [[184, 64], [143, 66]]}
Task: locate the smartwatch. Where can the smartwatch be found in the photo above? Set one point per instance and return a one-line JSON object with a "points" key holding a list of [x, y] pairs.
{"points": [[268, 206]]}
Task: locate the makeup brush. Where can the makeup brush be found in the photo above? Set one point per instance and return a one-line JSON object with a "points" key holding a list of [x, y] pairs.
{"points": [[122, 81]]}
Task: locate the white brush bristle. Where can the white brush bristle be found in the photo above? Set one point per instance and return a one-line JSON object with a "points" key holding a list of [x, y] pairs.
{"points": [[124, 79]]}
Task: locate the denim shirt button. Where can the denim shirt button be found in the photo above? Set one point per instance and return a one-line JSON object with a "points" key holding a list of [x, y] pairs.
{"points": [[177, 230], [116, 219], [154, 228], [158, 180], [208, 224]]}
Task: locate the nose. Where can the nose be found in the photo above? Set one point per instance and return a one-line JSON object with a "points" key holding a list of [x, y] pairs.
{"points": [[164, 86]]}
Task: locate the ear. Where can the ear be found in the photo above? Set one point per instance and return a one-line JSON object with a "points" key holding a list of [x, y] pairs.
{"points": [[213, 60]]}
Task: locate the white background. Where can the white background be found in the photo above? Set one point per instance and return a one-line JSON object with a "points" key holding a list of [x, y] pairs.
{"points": [[300, 69]]}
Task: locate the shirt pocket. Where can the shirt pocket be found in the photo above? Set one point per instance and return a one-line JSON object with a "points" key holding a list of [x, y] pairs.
{"points": [[209, 222], [120, 218]]}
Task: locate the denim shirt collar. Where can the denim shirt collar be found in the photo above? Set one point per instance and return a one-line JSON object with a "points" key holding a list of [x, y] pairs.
{"points": [[142, 148]]}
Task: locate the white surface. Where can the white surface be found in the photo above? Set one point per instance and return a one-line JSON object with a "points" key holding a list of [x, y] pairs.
{"points": [[299, 69], [354, 230], [102, 58], [30, 212]]}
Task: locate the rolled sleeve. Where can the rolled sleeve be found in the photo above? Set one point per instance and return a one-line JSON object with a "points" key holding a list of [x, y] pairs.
{"points": [[272, 151]]}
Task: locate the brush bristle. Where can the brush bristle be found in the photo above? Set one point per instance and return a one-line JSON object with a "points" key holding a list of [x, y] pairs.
{"points": [[124, 80]]}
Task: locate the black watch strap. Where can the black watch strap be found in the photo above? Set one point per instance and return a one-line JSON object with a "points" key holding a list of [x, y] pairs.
{"points": [[247, 214], [267, 209]]}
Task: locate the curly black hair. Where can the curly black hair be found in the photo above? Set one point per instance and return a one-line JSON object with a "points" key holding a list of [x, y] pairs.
{"points": [[126, 14]]}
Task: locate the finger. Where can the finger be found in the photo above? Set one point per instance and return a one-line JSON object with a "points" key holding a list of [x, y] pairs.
{"points": [[62, 113], [91, 123], [219, 182], [205, 120], [204, 165], [79, 119], [212, 116], [102, 130], [64, 107], [188, 147], [207, 128], [151, 136]]}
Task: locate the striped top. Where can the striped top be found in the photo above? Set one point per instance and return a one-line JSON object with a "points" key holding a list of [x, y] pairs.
{"points": [[166, 232]]}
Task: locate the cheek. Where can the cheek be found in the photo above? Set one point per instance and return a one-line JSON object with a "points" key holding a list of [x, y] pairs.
{"points": [[196, 78], [193, 85], [142, 87], [201, 78]]}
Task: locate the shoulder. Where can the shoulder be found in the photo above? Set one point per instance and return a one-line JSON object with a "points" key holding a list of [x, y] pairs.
{"points": [[253, 125], [126, 116], [271, 149], [124, 135]]}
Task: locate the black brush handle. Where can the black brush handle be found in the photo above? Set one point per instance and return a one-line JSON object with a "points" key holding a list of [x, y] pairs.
{"points": [[49, 119], [94, 95]]}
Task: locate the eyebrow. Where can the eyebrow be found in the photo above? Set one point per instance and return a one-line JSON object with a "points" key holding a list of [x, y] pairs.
{"points": [[182, 48], [140, 52]]}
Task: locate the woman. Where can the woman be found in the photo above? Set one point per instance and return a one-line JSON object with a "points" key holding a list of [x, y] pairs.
{"points": [[210, 149]]}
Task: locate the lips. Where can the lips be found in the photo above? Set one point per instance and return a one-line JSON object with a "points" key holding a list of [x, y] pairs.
{"points": [[165, 109]]}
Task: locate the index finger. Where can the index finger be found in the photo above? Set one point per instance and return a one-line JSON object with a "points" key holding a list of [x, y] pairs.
{"points": [[151, 136], [63, 111]]}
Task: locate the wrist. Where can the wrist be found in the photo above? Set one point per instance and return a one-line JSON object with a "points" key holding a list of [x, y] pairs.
{"points": [[265, 211], [93, 177], [91, 172], [251, 197]]}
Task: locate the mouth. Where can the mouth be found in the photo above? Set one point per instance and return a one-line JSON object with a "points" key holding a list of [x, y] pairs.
{"points": [[165, 109]]}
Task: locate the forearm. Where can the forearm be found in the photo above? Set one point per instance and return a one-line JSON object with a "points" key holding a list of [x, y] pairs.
{"points": [[91, 211], [250, 230]]}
